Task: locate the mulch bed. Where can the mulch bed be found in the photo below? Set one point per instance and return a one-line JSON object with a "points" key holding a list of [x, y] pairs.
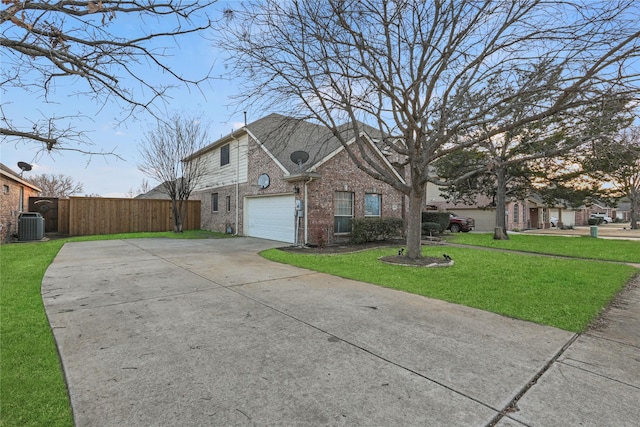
{"points": [[348, 247]]}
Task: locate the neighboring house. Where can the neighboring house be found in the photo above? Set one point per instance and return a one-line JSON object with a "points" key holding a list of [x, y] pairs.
{"points": [[583, 215], [519, 214], [14, 200], [623, 211], [157, 192], [289, 180]]}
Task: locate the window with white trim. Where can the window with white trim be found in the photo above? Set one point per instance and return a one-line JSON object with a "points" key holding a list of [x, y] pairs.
{"points": [[343, 217], [372, 204], [214, 202], [224, 155]]}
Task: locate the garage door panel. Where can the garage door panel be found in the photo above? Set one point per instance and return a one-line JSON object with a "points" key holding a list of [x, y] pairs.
{"points": [[485, 219], [270, 217]]}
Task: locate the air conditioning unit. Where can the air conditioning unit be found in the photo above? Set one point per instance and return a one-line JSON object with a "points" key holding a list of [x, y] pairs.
{"points": [[30, 226]]}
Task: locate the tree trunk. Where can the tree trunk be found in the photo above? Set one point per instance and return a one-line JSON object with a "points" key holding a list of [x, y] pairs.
{"points": [[414, 222], [501, 204], [634, 202], [176, 206]]}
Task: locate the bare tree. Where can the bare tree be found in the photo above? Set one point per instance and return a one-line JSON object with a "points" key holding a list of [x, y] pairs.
{"points": [[144, 187], [420, 71], [619, 163], [162, 155], [45, 42], [59, 185]]}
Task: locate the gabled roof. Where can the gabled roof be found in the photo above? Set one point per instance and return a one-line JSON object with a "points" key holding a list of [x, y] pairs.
{"points": [[281, 136], [158, 192], [9, 173]]}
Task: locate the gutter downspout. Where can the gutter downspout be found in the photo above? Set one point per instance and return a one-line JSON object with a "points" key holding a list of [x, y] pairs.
{"points": [[306, 212], [237, 182]]}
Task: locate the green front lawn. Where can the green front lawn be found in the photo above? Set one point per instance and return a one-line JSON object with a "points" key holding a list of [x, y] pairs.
{"points": [[579, 247], [564, 293], [32, 388]]}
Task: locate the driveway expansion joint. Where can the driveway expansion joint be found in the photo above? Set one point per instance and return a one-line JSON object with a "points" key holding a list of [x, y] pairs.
{"points": [[512, 406]]}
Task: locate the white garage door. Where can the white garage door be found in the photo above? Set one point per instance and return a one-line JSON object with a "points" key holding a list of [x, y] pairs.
{"points": [[270, 217]]}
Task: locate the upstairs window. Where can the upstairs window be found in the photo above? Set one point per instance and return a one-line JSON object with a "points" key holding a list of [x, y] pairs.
{"points": [[224, 155]]}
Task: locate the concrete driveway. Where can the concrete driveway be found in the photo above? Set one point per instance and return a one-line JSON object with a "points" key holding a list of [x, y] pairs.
{"points": [[206, 332]]}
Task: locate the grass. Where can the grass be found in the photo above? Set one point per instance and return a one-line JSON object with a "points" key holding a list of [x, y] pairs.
{"points": [[32, 387], [579, 247], [563, 293]]}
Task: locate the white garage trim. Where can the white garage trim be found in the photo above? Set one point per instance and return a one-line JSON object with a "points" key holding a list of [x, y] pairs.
{"points": [[270, 217]]}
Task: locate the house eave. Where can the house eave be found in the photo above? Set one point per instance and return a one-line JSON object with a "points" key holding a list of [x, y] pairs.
{"points": [[233, 136], [301, 176], [19, 180]]}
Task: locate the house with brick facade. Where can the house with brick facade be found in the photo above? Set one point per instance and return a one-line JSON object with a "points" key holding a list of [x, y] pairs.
{"points": [[14, 200], [289, 180], [520, 214]]}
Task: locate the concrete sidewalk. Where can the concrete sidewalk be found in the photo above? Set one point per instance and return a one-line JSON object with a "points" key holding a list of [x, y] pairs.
{"points": [[205, 332]]}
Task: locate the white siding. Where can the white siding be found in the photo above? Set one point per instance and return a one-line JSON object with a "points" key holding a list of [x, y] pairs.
{"points": [[433, 196], [236, 171]]}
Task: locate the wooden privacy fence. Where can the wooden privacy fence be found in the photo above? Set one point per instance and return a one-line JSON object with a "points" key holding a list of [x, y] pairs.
{"points": [[84, 216]]}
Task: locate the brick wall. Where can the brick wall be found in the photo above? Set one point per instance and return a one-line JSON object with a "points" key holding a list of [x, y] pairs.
{"points": [[9, 204], [341, 174], [225, 216]]}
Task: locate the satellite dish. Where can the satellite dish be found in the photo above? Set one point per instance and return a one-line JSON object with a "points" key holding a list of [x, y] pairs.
{"points": [[24, 167], [299, 157]]}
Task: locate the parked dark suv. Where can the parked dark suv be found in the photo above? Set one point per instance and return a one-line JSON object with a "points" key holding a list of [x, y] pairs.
{"points": [[459, 223]]}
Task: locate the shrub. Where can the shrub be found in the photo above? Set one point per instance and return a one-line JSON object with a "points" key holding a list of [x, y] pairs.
{"points": [[431, 228], [441, 218], [372, 229], [595, 221]]}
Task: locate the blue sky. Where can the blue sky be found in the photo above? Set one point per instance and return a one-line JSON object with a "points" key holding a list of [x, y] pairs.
{"points": [[109, 176]]}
